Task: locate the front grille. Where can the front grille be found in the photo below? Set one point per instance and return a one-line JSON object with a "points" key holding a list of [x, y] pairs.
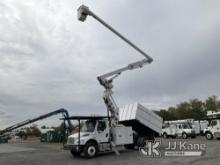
{"points": [[217, 134], [70, 140]]}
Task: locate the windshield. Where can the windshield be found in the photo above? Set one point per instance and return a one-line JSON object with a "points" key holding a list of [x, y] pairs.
{"points": [[88, 126], [186, 126]]}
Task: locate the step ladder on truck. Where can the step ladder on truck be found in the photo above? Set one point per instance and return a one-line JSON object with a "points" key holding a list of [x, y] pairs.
{"points": [[129, 126]]}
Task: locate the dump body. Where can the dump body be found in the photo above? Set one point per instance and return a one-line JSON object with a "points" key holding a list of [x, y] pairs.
{"points": [[142, 120]]}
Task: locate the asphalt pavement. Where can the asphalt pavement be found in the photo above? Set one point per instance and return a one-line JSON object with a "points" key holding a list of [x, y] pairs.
{"points": [[36, 153]]}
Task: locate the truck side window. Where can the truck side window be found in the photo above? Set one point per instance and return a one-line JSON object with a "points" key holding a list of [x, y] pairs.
{"points": [[101, 126], [186, 126], [214, 123]]}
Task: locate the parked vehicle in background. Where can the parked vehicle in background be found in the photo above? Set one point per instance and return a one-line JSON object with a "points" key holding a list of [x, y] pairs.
{"points": [[213, 129], [178, 128], [213, 114], [199, 126]]}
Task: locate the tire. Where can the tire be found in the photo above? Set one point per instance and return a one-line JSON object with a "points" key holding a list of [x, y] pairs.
{"points": [[90, 150], [184, 135], [75, 153], [208, 135], [142, 141], [165, 136], [129, 146], [193, 137]]}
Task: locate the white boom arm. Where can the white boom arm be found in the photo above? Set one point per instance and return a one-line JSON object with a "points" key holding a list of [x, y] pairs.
{"points": [[107, 79]]}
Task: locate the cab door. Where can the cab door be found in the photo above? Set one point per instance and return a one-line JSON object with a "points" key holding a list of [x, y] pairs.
{"points": [[172, 129], [214, 126], [179, 129], [102, 131]]}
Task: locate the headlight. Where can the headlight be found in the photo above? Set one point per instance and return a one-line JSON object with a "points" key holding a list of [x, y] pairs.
{"points": [[70, 140], [81, 141], [85, 135]]}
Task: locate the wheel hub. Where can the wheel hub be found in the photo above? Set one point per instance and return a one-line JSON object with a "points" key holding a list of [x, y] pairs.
{"points": [[184, 136], [91, 151], [208, 136]]}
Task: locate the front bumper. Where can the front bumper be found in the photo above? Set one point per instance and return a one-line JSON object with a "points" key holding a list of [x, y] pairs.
{"points": [[217, 134], [75, 148]]}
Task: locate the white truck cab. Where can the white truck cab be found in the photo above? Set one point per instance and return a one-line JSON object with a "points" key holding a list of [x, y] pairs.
{"points": [[94, 136], [175, 129], [92, 133], [89, 130], [213, 129]]}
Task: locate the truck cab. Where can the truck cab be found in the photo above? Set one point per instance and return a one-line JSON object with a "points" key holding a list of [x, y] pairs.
{"points": [[174, 130], [88, 140], [95, 135], [213, 129]]}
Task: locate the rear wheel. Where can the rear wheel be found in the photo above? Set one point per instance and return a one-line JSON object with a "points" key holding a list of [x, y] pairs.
{"points": [[165, 135], [209, 136], [90, 150], [142, 141], [129, 146]]}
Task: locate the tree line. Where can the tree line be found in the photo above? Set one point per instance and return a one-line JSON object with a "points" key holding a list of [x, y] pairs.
{"points": [[35, 131], [29, 131], [192, 109]]}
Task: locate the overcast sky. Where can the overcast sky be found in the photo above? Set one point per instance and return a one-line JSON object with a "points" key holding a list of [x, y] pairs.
{"points": [[50, 60]]}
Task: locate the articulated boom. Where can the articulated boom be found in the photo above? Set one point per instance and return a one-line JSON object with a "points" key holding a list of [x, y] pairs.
{"points": [[109, 100], [106, 80]]}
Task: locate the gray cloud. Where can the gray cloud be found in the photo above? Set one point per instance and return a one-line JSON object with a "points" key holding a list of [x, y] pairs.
{"points": [[2, 113], [49, 60]]}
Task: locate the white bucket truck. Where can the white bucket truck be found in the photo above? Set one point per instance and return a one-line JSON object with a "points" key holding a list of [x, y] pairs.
{"points": [[213, 129], [107, 133], [199, 126], [178, 128]]}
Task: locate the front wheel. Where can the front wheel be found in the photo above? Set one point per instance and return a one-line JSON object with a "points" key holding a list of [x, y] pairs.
{"points": [[209, 136], [90, 150], [184, 135]]}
